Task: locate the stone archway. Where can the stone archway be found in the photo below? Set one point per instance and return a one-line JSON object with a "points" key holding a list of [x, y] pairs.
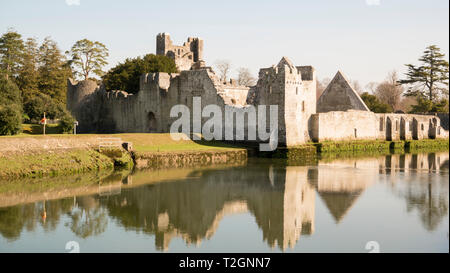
{"points": [[151, 123], [388, 129]]}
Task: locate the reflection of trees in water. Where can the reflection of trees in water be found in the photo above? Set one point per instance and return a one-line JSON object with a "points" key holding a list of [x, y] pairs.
{"points": [[46, 214], [88, 218], [427, 194], [429, 199]]}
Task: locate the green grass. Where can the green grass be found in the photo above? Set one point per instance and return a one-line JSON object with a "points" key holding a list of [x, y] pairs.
{"points": [[37, 129], [164, 143], [53, 163], [60, 161], [147, 142]]}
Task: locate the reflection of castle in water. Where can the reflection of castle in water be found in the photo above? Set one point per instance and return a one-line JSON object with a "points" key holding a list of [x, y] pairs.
{"points": [[281, 198]]}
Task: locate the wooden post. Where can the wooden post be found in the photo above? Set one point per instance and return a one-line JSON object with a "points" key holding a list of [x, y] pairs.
{"points": [[45, 121]]}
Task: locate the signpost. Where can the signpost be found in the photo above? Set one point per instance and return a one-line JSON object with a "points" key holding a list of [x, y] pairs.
{"points": [[75, 124], [44, 121]]}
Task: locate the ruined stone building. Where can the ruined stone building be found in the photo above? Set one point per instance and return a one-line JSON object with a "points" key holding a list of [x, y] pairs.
{"points": [[339, 113]]}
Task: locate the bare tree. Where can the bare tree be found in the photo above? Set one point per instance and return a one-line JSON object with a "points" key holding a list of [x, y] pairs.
{"points": [[371, 87], [406, 103], [245, 78], [321, 85], [357, 86], [389, 91], [223, 67]]}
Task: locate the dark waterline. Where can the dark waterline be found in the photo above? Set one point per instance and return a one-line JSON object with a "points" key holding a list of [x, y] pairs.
{"points": [[398, 201]]}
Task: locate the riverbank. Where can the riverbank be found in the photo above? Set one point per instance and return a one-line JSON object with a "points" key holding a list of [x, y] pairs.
{"points": [[52, 155], [363, 147]]}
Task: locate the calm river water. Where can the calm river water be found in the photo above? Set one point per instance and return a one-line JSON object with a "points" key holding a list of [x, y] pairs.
{"points": [[394, 203]]}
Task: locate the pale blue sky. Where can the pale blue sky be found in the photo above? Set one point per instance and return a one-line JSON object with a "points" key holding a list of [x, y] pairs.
{"points": [[364, 41]]}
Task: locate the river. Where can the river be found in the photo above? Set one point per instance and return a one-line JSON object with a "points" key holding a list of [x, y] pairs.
{"points": [[389, 203]]}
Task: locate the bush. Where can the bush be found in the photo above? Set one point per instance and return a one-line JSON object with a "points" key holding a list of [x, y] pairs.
{"points": [[125, 76], [66, 122], [10, 108], [374, 104]]}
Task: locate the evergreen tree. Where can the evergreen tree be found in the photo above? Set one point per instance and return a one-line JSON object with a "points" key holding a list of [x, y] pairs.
{"points": [[53, 71], [11, 47], [10, 108], [27, 79], [430, 78]]}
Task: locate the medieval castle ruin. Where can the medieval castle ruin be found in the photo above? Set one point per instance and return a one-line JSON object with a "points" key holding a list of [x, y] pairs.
{"points": [[339, 113]]}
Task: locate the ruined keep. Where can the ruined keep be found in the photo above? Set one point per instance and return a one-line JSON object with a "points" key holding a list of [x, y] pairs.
{"points": [[339, 114], [185, 56]]}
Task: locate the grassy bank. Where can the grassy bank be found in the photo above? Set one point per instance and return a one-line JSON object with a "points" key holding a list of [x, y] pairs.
{"points": [[37, 164], [38, 155], [310, 152], [380, 146]]}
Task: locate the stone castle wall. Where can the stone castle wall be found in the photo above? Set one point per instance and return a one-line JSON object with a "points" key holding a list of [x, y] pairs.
{"points": [[357, 125], [342, 113]]}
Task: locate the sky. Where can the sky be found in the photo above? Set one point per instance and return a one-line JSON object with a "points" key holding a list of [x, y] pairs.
{"points": [[365, 39]]}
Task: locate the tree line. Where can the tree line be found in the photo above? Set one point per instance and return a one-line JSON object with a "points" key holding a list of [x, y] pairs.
{"points": [[33, 77], [33, 81]]}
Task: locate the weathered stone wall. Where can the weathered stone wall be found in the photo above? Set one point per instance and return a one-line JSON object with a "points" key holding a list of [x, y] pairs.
{"points": [[344, 125], [81, 102], [444, 117], [353, 125], [149, 109]]}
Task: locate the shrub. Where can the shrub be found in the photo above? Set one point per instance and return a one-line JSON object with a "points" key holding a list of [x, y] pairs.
{"points": [[374, 104], [66, 122]]}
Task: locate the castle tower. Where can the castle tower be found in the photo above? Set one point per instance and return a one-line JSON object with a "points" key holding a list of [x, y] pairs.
{"points": [[185, 56], [81, 104], [163, 43], [196, 45], [293, 89], [77, 93]]}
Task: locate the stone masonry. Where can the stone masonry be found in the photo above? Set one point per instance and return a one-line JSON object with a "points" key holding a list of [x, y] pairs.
{"points": [[341, 114]]}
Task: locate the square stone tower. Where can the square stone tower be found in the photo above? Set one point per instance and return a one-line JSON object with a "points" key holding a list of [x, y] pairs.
{"points": [[185, 56], [293, 89]]}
